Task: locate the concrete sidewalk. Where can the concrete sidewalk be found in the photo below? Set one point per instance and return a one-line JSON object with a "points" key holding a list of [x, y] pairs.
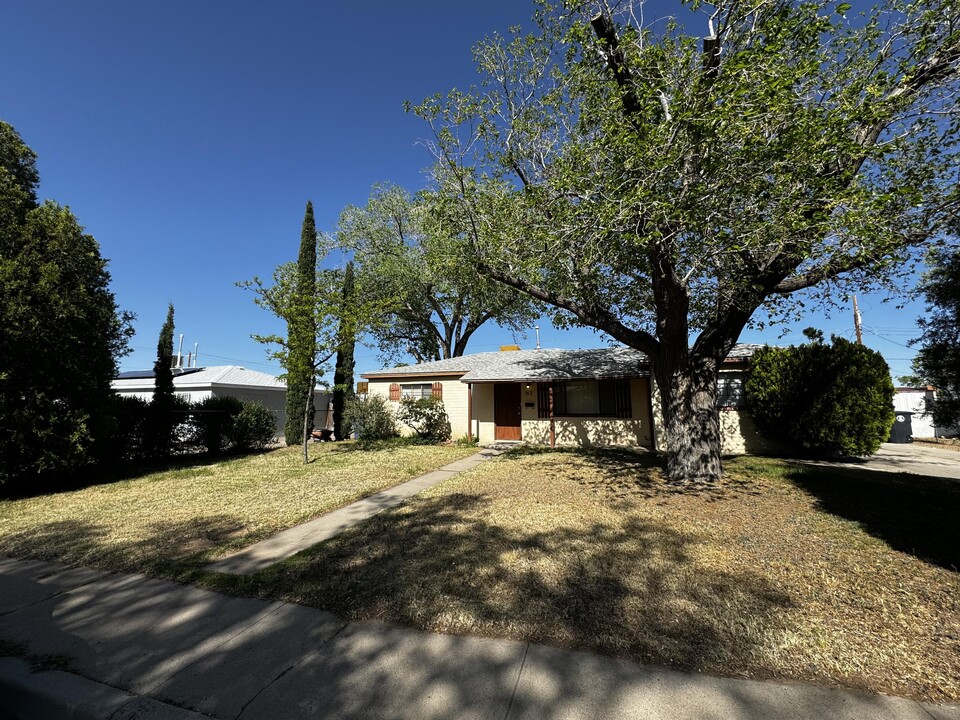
{"points": [[291, 541], [143, 648]]}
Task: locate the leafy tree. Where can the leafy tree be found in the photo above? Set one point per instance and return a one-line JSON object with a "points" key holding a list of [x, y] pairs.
{"points": [[825, 399], [162, 408], [60, 330], [416, 263], [330, 312], [301, 338], [665, 190], [938, 361], [343, 373]]}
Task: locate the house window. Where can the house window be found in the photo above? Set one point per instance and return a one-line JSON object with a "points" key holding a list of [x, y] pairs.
{"points": [[730, 392], [587, 398], [416, 392]]}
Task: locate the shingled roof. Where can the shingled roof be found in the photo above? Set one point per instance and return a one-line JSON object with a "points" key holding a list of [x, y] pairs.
{"points": [[541, 365]]}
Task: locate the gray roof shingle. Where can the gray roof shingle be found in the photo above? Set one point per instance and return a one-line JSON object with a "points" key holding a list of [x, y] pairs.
{"points": [[539, 365]]}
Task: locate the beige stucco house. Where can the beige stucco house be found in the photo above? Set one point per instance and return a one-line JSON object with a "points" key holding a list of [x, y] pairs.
{"points": [[602, 396]]}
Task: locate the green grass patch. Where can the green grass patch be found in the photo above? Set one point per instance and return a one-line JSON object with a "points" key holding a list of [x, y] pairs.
{"points": [[836, 576], [170, 522]]}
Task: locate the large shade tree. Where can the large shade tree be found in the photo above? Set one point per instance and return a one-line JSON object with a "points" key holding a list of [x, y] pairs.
{"points": [[419, 271], [60, 330], [671, 189]]}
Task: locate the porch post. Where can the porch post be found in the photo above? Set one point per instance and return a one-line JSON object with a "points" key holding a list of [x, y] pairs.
{"points": [[469, 412], [553, 430]]}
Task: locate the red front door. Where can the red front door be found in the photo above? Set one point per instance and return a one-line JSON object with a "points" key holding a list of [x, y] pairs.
{"points": [[506, 411]]}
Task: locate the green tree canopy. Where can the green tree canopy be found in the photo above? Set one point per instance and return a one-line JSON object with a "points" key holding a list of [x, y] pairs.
{"points": [[162, 407], [825, 399], [59, 326], [300, 358], [413, 254], [664, 188], [938, 360], [334, 315], [343, 370]]}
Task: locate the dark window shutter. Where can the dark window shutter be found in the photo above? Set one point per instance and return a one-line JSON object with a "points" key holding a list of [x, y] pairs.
{"points": [[624, 409], [543, 400], [437, 390], [395, 392]]}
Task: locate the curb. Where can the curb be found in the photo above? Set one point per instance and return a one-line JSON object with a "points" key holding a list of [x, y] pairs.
{"points": [[56, 695]]}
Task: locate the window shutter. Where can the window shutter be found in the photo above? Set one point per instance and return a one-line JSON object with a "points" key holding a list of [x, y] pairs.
{"points": [[622, 392], [437, 390], [395, 392], [543, 400]]}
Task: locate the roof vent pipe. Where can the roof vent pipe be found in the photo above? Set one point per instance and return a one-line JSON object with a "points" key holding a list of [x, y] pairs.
{"points": [[180, 352], [537, 328]]}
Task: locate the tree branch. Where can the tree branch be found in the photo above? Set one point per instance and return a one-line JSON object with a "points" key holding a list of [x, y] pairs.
{"points": [[593, 316]]}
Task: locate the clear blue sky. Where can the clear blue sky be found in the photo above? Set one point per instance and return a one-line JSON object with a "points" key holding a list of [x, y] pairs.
{"points": [[187, 137]]}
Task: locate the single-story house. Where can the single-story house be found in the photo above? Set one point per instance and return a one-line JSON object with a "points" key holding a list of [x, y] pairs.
{"points": [[602, 396], [199, 383]]}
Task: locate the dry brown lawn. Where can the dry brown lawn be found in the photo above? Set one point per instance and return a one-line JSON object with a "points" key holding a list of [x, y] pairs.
{"points": [[840, 577], [171, 522]]}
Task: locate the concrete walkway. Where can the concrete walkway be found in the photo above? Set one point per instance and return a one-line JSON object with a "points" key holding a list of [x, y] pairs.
{"points": [[291, 541], [915, 458], [135, 647]]}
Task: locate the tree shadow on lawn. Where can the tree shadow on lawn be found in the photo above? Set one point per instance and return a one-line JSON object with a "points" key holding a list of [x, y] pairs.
{"points": [[117, 472], [172, 550], [631, 590], [622, 474], [915, 514]]}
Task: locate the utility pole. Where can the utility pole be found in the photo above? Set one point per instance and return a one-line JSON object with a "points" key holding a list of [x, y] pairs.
{"points": [[856, 321]]}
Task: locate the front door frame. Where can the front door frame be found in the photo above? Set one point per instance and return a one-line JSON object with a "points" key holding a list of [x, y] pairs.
{"points": [[507, 432]]}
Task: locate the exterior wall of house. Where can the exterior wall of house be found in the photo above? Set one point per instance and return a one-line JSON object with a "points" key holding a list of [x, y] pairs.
{"points": [[483, 426], [635, 432], [739, 435], [454, 398], [738, 431], [275, 401]]}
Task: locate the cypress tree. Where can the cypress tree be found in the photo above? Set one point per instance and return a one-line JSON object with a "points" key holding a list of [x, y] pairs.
{"points": [[343, 374], [302, 337], [163, 395]]}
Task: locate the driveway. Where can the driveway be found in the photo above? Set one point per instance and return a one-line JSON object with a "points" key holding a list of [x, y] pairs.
{"points": [[909, 458]]}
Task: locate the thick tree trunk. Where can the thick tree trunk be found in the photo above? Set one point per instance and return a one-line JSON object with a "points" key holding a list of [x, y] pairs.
{"points": [[688, 397]]}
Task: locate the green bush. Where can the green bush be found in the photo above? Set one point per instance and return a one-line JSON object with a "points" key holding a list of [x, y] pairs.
{"points": [[131, 438], [370, 417], [823, 399], [427, 417], [254, 427], [213, 422]]}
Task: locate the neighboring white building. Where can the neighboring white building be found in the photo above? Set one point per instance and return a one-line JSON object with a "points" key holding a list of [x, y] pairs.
{"points": [[917, 401], [195, 384]]}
